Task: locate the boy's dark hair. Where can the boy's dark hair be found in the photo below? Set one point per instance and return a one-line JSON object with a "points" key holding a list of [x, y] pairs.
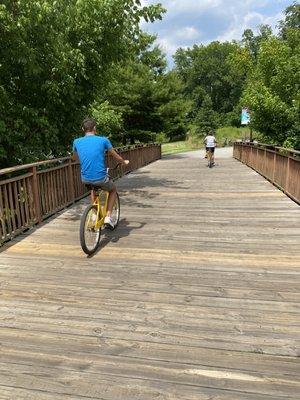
{"points": [[88, 125]]}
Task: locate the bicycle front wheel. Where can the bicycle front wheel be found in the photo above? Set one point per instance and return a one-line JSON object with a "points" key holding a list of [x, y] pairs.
{"points": [[115, 214], [89, 234]]}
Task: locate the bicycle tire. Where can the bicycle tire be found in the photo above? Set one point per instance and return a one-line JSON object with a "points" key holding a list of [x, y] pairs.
{"points": [[209, 159], [82, 231], [117, 210]]}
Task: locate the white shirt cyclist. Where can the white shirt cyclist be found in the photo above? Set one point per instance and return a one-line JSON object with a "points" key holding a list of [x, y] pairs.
{"points": [[210, 141]]}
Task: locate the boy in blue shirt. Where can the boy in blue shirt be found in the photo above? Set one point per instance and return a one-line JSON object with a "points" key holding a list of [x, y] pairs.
{"points": [[90, 151]]}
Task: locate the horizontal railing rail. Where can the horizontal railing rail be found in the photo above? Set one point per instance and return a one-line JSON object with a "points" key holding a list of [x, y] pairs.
{"points": [[279, 165], [31, 193]]}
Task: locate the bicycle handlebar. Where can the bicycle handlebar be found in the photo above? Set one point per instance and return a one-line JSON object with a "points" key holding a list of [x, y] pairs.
{"points": [[115, 167]]}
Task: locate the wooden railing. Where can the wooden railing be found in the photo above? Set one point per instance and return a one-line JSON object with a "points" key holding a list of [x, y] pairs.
{"points": [[279, 165], [31, 193]]}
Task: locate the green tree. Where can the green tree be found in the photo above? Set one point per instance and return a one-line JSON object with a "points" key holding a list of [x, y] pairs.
{"points": [[252, 43], [149, 99], [213, 74], [291, 21], [56, 57], [131, 93], [109, 120], [206, 118], [173, 107], [273, 93]]}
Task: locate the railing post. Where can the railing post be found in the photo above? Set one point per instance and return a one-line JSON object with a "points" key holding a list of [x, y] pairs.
{"points": [[36, 194], [71, 181], [256, 161], [274, 166], [287, 174]]}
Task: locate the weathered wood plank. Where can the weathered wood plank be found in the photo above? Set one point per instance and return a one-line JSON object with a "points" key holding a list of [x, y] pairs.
{"points": [[134, 368]]}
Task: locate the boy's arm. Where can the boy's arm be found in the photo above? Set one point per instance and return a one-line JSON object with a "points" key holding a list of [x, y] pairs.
{"points": [[75, 156], [117, 157]]}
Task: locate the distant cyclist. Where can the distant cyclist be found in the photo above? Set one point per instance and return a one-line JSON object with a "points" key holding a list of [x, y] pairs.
{"points": [[210, 144]]}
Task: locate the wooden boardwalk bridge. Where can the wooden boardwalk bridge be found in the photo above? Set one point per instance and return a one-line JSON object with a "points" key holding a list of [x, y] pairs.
{"points": [[196, 296]]}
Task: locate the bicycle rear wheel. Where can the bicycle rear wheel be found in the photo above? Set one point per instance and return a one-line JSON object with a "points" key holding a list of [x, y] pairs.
{"points": [[89, 234], [209, 158], [115, 214]]}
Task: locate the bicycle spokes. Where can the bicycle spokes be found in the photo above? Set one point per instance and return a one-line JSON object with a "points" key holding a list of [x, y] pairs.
{"points": [[115, 214], [90, 232]]}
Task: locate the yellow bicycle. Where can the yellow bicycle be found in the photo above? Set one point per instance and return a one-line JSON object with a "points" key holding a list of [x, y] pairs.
{"points": [[92, 220]]}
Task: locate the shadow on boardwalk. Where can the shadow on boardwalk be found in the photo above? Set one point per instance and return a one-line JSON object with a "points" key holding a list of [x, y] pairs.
{"points": [[123, 230]]}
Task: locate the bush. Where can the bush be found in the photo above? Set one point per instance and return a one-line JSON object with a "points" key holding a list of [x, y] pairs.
{"points": [[162, 138], [293, 140], [195, 138], [228, 135]]}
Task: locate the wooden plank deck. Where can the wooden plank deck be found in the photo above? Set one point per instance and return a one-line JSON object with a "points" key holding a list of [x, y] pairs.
{"points": [[194, 297]]}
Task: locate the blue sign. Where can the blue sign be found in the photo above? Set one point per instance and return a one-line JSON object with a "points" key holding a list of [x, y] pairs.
{"points": [[245, 117]]}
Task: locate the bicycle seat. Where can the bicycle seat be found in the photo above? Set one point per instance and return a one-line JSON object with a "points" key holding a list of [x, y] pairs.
{"points": [[89, 186]]}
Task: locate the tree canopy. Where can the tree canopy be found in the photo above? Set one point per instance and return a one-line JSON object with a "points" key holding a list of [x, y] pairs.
{"points": [[56, 57]]}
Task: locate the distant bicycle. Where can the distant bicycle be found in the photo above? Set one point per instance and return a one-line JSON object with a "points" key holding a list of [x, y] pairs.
{"points": [[92, 220], [210, 157], [210, 144]]}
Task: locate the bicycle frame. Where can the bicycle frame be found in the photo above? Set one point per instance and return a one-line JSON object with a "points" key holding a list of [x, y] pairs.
{"points": [[101, 209]]}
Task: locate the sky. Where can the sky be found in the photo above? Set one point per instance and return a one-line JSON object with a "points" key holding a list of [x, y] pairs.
{"points": [[189, 22]]}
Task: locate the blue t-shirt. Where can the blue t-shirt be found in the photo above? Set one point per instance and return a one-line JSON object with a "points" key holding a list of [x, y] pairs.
{"points": [[91, 152]]}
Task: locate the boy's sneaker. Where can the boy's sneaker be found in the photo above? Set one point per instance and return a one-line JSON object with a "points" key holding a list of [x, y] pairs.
{"points": [[109, 223]]}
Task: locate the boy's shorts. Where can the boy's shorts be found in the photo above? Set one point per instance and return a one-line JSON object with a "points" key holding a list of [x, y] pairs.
{"points": [[107, 184], [212, 149]]}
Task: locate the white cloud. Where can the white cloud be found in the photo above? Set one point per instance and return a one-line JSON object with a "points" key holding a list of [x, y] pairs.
{"points": [[239, 24], [177, 6], [273, 20], [250, 20], [167, 46], [188, 32]]}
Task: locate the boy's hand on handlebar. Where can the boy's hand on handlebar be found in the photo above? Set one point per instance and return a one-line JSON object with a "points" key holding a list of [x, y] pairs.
{"points": [[125, 162]]}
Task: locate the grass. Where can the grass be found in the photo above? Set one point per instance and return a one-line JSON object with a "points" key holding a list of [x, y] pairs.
{"points": [[177, 147], [230, 134], [225, 136]]}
